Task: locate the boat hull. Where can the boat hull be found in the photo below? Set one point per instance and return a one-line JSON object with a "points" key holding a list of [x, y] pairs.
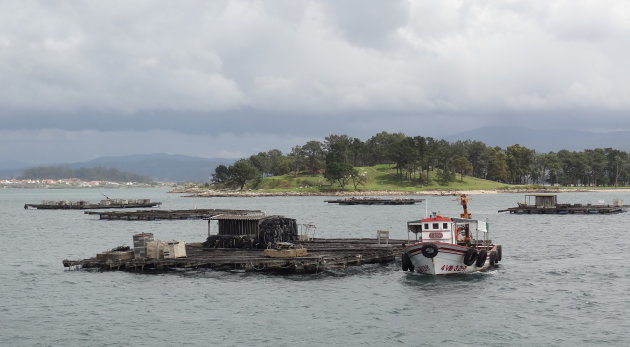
{"points": [[449, 259]]}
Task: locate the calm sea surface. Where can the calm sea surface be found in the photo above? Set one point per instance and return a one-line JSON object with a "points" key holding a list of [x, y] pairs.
{"points": [[563, 281]]}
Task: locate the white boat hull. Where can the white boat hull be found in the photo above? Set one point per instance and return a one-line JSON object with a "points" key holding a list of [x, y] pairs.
{"points": [[448, 260]]}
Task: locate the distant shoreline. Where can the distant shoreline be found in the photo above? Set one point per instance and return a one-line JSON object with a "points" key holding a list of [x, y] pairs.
{"points": [[197, 193]]}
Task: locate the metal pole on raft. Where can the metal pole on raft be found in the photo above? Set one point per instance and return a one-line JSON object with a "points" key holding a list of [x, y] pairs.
{"points": [[487, 231]]}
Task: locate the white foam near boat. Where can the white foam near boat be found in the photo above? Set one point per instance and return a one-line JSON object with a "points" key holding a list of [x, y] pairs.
{"points": [[446, 245]]}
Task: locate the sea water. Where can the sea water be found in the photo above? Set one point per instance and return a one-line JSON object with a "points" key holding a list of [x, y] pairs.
{"points": [[563, 280]]}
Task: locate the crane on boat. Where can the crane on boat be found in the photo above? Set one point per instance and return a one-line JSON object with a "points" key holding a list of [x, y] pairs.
{"points": [[463, 199]]}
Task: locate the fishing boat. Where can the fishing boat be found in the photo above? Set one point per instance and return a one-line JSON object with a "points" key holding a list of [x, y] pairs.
{"points": [[445, 245]]}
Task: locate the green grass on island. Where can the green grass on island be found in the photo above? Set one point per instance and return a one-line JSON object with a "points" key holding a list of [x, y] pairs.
{"points": [[377, 178]]}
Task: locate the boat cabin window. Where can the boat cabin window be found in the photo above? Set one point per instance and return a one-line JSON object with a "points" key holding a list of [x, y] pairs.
{"points": [[426, 226], [444, 225], [414, 228], [436, 226]]}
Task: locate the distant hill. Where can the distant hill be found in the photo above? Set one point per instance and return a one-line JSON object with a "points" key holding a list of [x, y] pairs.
{"points": [[12, 168], [98, 173], [161, 167], [545, 140]]}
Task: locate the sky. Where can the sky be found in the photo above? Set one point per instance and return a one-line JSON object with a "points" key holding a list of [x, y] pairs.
{"points": [[83, 79]]}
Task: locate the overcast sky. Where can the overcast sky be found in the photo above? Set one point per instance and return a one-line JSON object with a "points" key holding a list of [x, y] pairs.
{"points": [[82, 79]]}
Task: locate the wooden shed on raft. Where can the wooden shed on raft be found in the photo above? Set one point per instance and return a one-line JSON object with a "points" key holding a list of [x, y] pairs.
{"points": [[541, 200], [548, 204], [250, 231]]}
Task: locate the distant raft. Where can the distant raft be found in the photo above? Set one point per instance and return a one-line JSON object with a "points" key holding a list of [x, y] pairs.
{"points": [[86, 205], [168, 214], [374, 201], [548, 204]]}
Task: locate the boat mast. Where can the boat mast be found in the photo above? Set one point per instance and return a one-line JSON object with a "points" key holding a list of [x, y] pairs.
{"points": [[463, 199]]}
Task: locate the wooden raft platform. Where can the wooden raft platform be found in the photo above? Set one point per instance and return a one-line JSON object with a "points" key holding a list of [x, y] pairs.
{"points": [[548, 204], [89, 206], [374, 201], [322, 254], [566, 209], [168, 214]]}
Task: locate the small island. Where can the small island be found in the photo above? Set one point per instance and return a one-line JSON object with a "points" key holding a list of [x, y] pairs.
{"points": [[397, 164]]}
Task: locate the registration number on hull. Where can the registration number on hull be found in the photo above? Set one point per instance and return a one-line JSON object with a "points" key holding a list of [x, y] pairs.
{"points": [[453, 267]]}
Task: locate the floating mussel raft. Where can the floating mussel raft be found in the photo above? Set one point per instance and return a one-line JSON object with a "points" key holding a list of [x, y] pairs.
{"points": [[548, 204], [247, 243], [373, 201], [167, 214], [86, 205]]}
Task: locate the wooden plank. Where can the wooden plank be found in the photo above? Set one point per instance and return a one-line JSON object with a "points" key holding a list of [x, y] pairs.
{"points": [[167, 214]]}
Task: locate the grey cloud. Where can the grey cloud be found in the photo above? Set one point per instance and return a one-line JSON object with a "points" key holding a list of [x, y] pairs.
{"points": [[369, 23], [232, 55], [312, 68]]}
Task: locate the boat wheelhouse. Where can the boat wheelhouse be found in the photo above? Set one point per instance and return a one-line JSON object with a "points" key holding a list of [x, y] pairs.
{"points": [[462, 231]]}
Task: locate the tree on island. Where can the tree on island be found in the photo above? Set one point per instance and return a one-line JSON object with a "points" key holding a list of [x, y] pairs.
{"points": [[338, 172], [497, 168], [337, 167], [313, 153], [221, 174], [357, 177], [462, 166], [241, 172], [445, 176], [520, 159]]}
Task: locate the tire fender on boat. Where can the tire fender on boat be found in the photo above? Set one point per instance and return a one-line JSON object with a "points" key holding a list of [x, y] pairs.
{"points": [[429, 250], [470, 256], [481, 257], [406, 263], [493, 258]]}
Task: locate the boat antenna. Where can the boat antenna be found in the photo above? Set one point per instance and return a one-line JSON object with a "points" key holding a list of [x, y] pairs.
{"points": [[426, 208]]}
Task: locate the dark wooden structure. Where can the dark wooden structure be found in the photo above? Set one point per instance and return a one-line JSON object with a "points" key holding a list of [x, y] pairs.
{"points": [[86, 205], [169, 214], [251, 231], [374, 201], [323, 254], [548, 204]]}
